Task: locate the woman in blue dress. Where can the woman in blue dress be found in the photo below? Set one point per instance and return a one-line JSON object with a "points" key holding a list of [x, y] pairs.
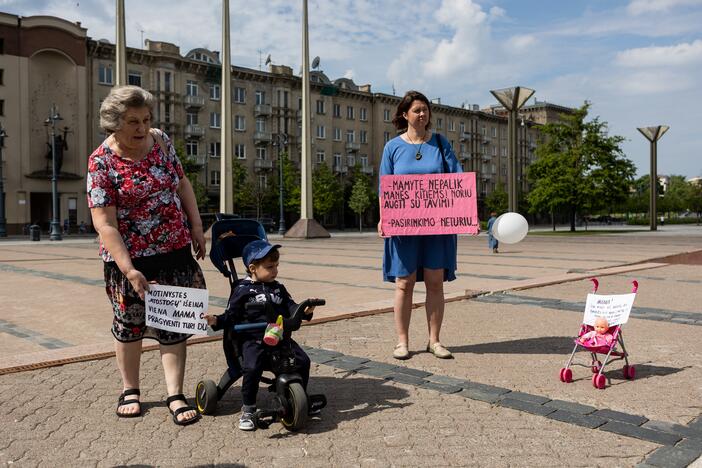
{"points": [[408, 259]]}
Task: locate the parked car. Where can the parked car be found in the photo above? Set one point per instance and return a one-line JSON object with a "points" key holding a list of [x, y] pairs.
{"points": [[267, 223]]}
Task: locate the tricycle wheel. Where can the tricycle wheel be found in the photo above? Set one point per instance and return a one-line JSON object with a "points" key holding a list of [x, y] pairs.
{"points": [[206, 396], [295, 404]]}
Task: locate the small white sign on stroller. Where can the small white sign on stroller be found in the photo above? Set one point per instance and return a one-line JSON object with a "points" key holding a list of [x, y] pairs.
{"points": [[615, 309]]}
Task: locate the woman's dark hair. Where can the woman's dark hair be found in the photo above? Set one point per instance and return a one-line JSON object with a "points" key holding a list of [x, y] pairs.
{"points": [[404, 106]]}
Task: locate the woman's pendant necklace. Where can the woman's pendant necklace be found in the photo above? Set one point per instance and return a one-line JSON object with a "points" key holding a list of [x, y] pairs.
{"points": [[417, 156]]}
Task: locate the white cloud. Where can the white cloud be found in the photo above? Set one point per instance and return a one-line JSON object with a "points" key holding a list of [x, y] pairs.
{"points": [[638, 7], [666, 56]]}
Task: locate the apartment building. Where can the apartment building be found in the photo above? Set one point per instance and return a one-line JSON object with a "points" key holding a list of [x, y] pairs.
{"points": [[47, 61]]}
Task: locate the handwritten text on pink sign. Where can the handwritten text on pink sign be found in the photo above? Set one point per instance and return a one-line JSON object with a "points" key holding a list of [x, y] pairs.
{"points": [[423, 204]]}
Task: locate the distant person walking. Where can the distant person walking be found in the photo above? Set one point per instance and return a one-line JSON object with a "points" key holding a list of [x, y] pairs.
{"points": [[408, 259], [145, 212], [493, 243]]}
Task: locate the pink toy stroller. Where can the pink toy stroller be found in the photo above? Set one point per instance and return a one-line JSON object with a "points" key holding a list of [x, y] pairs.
{"points": [[615, 309]]}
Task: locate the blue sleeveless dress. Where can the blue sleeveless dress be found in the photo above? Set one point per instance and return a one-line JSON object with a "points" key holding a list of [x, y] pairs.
{"points": [[403, 255]]}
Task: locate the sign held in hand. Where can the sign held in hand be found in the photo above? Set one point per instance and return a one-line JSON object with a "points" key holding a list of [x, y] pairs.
{"points": [[425, 204], [177, 309]]}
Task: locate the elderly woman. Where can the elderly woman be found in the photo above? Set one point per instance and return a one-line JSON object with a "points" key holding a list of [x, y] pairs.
{"points": [[145, 212], [408, 259]]}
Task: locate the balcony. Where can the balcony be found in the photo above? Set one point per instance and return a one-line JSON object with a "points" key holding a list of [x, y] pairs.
{"points": [[341, 168], [262, 138], [193, 102], [465, 136], [262, 110], [352, 146], [463, 155], [368, 170], [194, 131], [486, 140], [263, 164], [200, 159]]}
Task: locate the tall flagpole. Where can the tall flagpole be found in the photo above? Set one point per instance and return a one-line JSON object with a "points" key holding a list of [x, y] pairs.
{"points": [[121, 47], [226, 194], [306, 227]]}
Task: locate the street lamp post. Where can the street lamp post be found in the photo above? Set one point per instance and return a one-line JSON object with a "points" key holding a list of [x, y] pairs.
{"points": [[512, 99], [281, 141], [3, 227], [55, 233], [653, 134]]}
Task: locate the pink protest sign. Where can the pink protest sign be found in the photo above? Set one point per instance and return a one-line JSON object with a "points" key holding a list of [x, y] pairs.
{"points": [[423, 204]]}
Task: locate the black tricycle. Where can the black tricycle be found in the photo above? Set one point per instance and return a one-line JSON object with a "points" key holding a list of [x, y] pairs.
{"points": [[291, 404]]}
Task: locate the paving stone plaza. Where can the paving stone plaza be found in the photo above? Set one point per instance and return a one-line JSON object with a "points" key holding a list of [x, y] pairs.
{"points": [[510, 322]]}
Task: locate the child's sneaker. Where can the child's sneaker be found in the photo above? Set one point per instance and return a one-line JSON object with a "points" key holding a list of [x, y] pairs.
{"points": [[246, 422]]}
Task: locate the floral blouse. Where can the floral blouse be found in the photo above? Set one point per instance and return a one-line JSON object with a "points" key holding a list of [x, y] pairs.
{"points": [[149, 214]]}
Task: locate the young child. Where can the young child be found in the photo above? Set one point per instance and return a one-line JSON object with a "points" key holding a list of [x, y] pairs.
{"points": [[599, 336], [261, 261], [492, 241]]}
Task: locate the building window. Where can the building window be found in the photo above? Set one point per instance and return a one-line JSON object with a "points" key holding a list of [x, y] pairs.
{"points": [[104, 74], [283, 98], [350, 160], [462, 127], [167, 82], [363, 114], [337, 160], [2, 46], [191, 148], [350, 136], [320, 156], [215, 149], [262, 181], [214, 177], [386, 115], [439, 123], [386, 137], [261, 152], [349, 112], [260, 97], [214, 120], [134, 78], [320, 106], [2, 107], [240, 95], [337, 134], [191, 88], [494, 132], [240, 151], [260, 124], [191, 118], [337, 110], [494, 151], [321, 132], [451, 126], [239, 123], [364, 136], [167, 112], [364, 160], [215, 92]]}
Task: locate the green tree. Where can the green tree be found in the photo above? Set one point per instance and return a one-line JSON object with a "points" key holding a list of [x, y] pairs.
{"points": [[242, 188], [192, 170], [497, 199], [291, 185], [327, 192], [579, 168], [676, 197], [360, 200], [695, 199]]}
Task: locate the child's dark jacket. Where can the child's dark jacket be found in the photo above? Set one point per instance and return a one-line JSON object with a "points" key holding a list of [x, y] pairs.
{"points": [[248, 290]]}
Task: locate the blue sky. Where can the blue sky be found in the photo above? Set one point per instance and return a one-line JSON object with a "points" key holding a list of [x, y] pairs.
{"points": [[638, 61]]}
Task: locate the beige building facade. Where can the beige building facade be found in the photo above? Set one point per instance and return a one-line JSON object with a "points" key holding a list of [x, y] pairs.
{"points": [[48, 61]]}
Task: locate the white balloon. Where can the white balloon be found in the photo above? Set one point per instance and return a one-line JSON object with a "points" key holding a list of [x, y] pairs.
{"points": [[510, 228]]}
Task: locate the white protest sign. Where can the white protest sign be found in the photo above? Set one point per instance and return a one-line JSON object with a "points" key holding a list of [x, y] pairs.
{"points": [[615, 308], [177, 309]]}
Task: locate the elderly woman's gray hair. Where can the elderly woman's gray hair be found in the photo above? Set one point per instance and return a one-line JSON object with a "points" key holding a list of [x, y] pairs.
{"points": [[118, 101]]}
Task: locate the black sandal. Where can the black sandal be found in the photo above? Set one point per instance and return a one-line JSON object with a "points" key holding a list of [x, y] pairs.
{"points": [[122, 402], [179, 411]]}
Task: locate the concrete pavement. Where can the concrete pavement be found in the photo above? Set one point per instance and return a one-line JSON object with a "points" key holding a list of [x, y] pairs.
{"points": [[510, 324]]}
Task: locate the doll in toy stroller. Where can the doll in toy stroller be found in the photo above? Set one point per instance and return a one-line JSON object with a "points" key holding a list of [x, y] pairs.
{"points": [[258, 324], [601, 333]]}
